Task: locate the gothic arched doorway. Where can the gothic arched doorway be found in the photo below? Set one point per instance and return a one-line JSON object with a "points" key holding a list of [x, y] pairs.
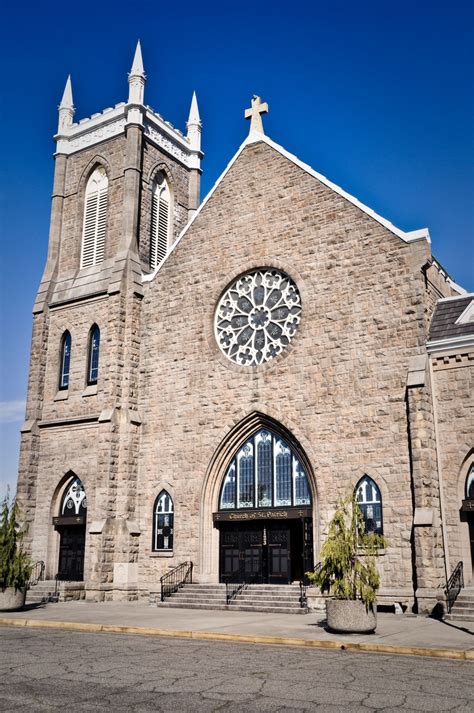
{"points": [[71, 525], [265, 513]]}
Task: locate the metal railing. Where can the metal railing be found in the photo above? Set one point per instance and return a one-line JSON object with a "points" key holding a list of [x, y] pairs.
{"points": [[303, 597], [454, 585], [233, 586], [37, 573], [176, 578]]}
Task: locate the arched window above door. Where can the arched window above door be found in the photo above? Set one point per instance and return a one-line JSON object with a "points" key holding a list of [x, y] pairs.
{"points": [[74, 501], [370, 502], [264, 473]]}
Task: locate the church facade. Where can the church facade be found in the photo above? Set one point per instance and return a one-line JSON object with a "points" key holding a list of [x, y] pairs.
{"points": [[208, 380]]}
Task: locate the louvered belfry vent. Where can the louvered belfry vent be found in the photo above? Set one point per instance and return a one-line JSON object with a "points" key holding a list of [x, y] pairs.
{"points": [[95, 219], [160, 221]]}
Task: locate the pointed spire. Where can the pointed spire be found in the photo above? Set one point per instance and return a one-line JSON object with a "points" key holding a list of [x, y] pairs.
{"points": [[66, 107], [137, 66], [136, 78], [194, 125], [194, 117]]}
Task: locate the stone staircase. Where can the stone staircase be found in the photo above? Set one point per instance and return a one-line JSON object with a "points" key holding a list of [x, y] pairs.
{"points": [[463, 609], [271, 598], [40, 593]]}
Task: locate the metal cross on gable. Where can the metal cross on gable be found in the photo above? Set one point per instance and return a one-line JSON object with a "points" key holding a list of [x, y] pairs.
{"points": [[255, 114]]}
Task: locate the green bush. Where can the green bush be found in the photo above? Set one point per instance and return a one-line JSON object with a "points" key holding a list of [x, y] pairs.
{"points": [[348, 557], [15, 564]]}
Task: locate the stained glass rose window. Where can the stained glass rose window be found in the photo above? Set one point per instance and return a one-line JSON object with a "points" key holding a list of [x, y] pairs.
{"points": [[257, 316]]}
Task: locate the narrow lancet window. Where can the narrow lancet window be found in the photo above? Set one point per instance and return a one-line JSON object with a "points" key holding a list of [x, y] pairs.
{"points": [[163, 523], [65, 361], [370, 502], [93, 356], [95, 219], [160, 221]]}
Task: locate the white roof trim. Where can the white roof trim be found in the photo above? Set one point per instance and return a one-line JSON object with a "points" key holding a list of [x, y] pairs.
{"points": [[441, 345], [255, 137], [457, 297], [467, 315]]}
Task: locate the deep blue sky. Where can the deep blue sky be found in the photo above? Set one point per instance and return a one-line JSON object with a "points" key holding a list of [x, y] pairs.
{"points": [[376, 96]]}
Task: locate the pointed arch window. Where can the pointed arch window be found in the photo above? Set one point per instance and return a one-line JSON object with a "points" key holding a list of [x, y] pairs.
{"points": [[93, 355], [74, 503], [264, 473], [369, 498], [65, 361], [95, 218], [163, 523], [160, 220]]}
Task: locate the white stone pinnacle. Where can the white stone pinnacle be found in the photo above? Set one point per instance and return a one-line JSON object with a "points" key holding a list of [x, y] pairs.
{"points": [[66, 107], [136, 78], [194, 117], [137, 66], [66, 101]]}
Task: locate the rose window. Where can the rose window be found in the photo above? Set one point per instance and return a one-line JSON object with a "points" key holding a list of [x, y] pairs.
{"points": [[257, 316]]}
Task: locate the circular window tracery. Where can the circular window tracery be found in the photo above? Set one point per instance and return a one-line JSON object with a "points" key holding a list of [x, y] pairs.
{"points": [[257, 316]]}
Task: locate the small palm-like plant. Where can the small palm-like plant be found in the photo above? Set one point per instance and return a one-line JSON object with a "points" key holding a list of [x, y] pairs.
{"points": [[348, 569], [15, 564]]}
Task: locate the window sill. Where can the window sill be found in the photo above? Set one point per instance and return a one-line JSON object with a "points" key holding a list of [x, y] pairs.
{"points": [[62, 395], [163, 553], [90, 390]]}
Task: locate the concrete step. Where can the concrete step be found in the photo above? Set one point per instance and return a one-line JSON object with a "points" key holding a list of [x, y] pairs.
{"points": [[459, 617], [171, 604]]}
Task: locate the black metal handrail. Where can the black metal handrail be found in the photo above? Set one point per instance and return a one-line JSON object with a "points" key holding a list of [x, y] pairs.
{"points": [[454, 585], [176, 578], [303, 596], [233, 586], [37, 573]]}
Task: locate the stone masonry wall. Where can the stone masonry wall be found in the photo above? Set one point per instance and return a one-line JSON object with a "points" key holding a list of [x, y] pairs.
{"points": [[454, 389], [339, 387]]}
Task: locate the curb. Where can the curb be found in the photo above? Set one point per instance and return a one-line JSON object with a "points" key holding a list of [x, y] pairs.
{"points": [[459, 654]]}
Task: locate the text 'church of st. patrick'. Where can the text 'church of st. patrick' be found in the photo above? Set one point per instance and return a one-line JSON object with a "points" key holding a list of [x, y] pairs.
{"points": [[208, 380]]}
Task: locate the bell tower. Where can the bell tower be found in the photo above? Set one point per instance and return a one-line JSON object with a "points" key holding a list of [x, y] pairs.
{"points": [[126, 183]]}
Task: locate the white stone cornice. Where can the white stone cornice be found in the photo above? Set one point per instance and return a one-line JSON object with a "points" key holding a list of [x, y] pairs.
{"points": [[166, 137], [443, 345]]}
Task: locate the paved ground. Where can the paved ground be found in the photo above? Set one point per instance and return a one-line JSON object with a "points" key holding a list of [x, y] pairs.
{"points": [[391, 629], [43, 670]]}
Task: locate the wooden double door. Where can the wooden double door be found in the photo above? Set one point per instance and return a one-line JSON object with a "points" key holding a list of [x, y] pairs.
{"points": [[262, 552], [71, 552]]}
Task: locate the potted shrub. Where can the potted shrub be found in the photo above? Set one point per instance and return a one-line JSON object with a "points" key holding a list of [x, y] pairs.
{"points": [[15, 565], [348, 571]]}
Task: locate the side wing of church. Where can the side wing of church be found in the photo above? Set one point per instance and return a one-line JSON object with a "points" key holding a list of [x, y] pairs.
{"points": [[208, 381]]}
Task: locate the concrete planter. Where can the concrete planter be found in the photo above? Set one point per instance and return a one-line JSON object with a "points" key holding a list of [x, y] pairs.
{"points": [[12, 599], [350, 616]]}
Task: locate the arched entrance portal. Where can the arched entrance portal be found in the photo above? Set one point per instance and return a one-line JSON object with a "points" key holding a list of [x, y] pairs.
{"points": [[265, 513], [467, 512], [71, 525]]}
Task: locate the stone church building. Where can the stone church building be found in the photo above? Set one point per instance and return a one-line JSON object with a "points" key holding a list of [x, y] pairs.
{"points": [[208, 380]]}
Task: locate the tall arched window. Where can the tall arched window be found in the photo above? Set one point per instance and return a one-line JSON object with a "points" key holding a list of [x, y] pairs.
{"points": [[93, 355], [370, 502], [64, 361], [163, 523], [95, 218], [264, 473], [160, 220]]}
